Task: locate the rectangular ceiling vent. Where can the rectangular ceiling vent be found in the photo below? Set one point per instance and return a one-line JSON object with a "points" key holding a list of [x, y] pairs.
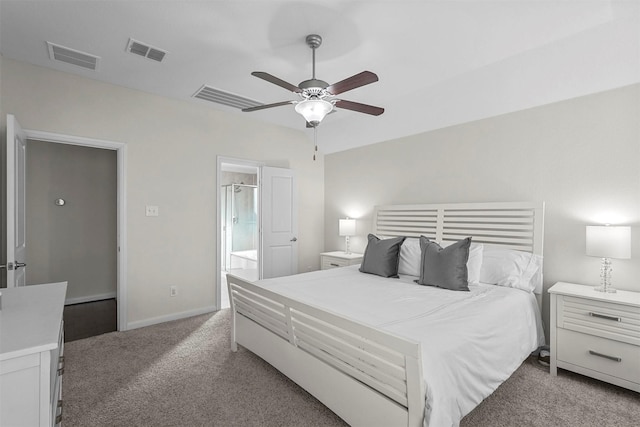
{"points": [[73, 57], [212, 94], [146, 50]]}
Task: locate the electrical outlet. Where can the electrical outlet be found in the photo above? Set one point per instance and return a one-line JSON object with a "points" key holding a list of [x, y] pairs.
{"points": [[173, 291]]}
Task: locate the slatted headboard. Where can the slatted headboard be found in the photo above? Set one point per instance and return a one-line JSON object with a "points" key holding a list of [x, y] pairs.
{"points": [[512, 225]]}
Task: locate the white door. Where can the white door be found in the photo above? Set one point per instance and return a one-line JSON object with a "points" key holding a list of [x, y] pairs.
{"points": [[279, 223], [16, 230]]}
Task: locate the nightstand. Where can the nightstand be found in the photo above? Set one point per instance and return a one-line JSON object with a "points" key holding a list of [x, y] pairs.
{"points": [[596, 334], [338, 259]]}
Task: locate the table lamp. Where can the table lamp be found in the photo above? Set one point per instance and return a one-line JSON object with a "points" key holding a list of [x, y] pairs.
{"points": [[347, 227]]}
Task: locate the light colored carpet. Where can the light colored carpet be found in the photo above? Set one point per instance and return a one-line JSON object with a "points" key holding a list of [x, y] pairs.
{"points": [[182, 373]]}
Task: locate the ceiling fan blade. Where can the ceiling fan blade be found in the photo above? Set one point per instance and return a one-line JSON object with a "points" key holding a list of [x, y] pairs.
{"points": [[262, 107], [361, 108], [276, 81], [361, 79]]}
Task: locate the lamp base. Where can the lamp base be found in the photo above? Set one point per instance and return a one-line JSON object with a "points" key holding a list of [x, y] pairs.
{"points": [[605, 277], [607, 289], [346, 245]]}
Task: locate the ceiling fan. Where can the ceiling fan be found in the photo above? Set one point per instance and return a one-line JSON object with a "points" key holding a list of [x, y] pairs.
{"points": [[317, 97]]}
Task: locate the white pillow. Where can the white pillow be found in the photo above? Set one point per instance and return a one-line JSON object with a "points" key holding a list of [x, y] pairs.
{"points": [[511, 268], [410, 257], [474, 263]]}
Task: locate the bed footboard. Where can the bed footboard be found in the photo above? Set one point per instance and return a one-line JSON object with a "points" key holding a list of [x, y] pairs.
{"points": [[366, 376]]}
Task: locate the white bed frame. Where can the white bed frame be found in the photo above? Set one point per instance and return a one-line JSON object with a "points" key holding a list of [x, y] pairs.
{"points": [[366, 376]]}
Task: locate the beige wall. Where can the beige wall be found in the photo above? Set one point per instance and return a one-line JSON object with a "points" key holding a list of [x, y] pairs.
{"points": [[172, 148], [582, 157], [75, 242]]}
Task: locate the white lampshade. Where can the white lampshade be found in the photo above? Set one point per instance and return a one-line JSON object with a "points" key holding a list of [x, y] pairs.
{"points": [[347, 227], [605, 241], [314, 110]]}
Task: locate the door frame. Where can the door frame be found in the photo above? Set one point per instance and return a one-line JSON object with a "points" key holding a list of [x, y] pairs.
{"points": [[15, 211], [219, 195], [121, 224]]}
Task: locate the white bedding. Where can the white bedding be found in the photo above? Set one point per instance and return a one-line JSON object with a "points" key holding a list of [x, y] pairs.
{"points": [[471, 341]]}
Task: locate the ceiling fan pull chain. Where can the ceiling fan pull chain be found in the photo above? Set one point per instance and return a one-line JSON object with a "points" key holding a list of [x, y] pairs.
{"points": [[315, 142]]}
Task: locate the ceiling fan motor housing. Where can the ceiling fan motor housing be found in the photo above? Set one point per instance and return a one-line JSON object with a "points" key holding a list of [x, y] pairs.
{"points": [[313, 83]]}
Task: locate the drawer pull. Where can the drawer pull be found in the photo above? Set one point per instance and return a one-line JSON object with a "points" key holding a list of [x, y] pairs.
{"points": [[59, 415], [334, 265], [606, 356], [60, 365], [604, 316]]}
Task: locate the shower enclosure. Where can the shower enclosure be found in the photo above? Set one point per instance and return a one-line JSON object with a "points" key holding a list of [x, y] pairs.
{"points": [[240, 230]]}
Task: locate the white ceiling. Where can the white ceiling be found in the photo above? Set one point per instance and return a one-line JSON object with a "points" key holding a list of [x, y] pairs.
{"points": [[440, 63]]}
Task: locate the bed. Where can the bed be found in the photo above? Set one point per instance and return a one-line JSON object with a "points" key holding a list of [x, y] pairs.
{"points": [[387, 351]]}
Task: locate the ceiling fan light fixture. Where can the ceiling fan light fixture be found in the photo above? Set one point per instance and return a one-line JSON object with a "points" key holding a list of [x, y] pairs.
{"points": [[314, 110]]}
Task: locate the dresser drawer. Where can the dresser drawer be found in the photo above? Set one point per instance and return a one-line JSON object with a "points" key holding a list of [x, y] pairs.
{"points": [[600, 318], [57, 370], [57, 360], [618, 359], [331, 262]]}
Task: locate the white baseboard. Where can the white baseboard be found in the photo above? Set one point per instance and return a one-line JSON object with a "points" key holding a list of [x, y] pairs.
{"points": [[90, 298], [170, 317]]}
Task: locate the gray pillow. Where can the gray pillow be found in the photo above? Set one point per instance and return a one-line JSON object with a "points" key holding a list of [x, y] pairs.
{"points": [[382, 256], [444, 268]]}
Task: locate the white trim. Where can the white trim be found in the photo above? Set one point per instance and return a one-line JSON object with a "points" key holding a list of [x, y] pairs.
{"points": [[91, 298], [121, 149], [236, 161], [170, 317]]}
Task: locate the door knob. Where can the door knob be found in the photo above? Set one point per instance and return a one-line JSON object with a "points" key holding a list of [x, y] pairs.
{"points": [[295, 239], [17, 265]]}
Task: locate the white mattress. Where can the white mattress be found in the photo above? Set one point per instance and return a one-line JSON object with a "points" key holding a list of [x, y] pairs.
{"points": [[471, 341]]}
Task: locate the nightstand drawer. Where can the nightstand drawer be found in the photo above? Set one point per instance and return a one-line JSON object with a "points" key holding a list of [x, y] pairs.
{"points": [[603, 355], [330, 262], [600, 318], [337, 259]]}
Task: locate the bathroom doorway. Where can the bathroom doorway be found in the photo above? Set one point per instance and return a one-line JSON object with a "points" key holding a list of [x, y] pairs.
{"points": [[239, 209], [240, 229]]}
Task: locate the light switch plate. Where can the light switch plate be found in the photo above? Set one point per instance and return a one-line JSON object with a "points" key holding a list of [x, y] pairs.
{"points": [[152, 210]]}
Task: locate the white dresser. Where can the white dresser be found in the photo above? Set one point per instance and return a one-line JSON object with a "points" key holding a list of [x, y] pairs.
{"points": [[338, 259], [596, 334], [31, 355]]}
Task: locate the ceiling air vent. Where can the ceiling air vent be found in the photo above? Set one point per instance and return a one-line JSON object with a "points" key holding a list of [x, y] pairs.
{"points": [[143, 49], [73, 57], [212, 94]]}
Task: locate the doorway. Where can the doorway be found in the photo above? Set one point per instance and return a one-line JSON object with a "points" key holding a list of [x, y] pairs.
{"points": [[268, 198], [15, 132], [239, 211], [240, 228], [71, 223]]}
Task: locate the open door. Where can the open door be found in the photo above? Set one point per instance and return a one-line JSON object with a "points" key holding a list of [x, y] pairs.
{"points": [[279, 223], [16, 230]]}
